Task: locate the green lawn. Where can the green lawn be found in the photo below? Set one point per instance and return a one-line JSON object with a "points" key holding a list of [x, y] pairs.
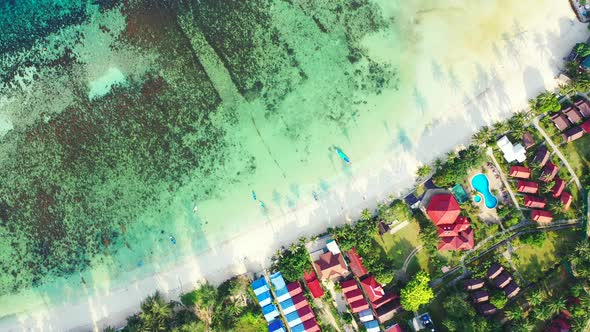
{"points": [[399, 245], [532, 261], [578, 155]]}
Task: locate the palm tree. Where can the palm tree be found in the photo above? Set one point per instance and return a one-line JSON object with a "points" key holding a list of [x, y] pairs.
{"points": [[109, 329], [523, 325], [536, 298], [366, 215], [556, 207], [515, 314], [483, 136], [557, 305], [577, 290], [543, 313], [567, 89], [156, 314], [501, 127]]}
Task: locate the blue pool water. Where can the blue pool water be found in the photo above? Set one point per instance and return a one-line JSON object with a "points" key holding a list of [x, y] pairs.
{"points": [[477, 198], [481, 183]]}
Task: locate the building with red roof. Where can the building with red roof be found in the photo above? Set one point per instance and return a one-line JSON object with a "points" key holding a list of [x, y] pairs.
{"points": [[464, 241], [534, 202], [558, 187], [454, 231], [394, 328], [353, 296], [542, 216], [527, 187], [348, 285], [305, 313], [542, 156], [443, 209], [520, 172], [375, 292], [312, 282], [586, 126], [331, 266], [356, 263], [549, 172], [311, 325], [566, 199], [294, 288]]}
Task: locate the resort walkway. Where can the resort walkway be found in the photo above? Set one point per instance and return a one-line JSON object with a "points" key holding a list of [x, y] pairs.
{"points": [[490, 153], [557, 151]]}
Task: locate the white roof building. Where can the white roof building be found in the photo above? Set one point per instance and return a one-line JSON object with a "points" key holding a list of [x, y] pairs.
{"points": [[511, 152], [333, 246]]}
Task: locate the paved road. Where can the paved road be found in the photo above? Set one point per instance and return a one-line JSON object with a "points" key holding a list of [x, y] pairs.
{"points": [[557, 151]]}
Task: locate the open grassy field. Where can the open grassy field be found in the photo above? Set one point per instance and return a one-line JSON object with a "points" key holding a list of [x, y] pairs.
{"points": [[399, 245], [533, 261]]}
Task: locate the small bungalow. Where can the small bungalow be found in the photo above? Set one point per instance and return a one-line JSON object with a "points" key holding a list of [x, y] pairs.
{"points": [[528, 140], [549, 172], [294, 288], [512, 152], [566, 200], [511, 289], [351, 292], [480, 296], [473, 284], [486, 309], [374, 291], [356, 263], [502, 280], [572, 114], [372, 326], [310, 325], [586, 126], [520, 172], [299, 301], [560, 121], [394, 328], [534, 202], [331, 266], [527, 187], [572, 134], [542, 156], [558, 187], [542, 216], [584, 107], [495, 270], [348, 285]]}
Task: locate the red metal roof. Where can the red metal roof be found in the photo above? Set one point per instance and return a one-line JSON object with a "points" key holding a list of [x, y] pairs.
{"points": [[311, 325], [520, 172], [395, 328], [305, 313], [463, 241], [528, 187], [542, 216], [294, 288], [586, 126], [461, 224], [299, 301], [372, 288], [388, 297], [359, 306], [443, 209], [534, 202], [356, 263], [558, 187], [566, 199], [313, 284], [348, 285], [549, 172], [353, 295]]}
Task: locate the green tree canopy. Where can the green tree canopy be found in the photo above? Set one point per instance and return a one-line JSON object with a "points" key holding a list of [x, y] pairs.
{"points": [[397, 210], [417, 292], [293, 262]]}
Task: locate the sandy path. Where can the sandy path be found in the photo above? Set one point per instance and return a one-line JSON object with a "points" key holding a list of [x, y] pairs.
{"points": [[244, 253]]}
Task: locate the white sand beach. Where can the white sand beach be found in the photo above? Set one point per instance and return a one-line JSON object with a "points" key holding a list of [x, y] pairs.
{"points": [[477, 70]]}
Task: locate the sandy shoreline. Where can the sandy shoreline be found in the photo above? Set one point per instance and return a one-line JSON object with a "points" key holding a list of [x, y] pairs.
{"points": [[394, 175]]}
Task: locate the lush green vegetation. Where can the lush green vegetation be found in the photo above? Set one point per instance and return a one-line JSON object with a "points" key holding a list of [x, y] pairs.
{"points": [[424, 171], [397, 210], [456, 167], [417, 292], [293, 262], [546, 102], [460, 316]]}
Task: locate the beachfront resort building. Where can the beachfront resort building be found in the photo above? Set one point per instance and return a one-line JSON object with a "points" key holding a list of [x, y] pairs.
{"points": [[454, 231], [512, 152], [520, 172], [330, 265]]}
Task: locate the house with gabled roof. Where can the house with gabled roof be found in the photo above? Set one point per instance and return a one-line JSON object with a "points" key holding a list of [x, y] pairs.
{"points": [[584, 107], [486, 309], [542, 216], [473, 284], [313, 284], [572, 134], [331, 266], [541, 156], [572, 114], [494, 270], [534, 202], [502, 280], [527, 187], [520, 172], [454, 231], [558, 187], [586, 126], [479, 296], [566, 199], [560, 121], [511, 290], [549, 172], [356, 263]]}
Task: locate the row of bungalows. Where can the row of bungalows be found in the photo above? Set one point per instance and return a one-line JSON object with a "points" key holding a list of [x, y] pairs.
{"points": [[293, 305], [530, 188], [480, 297], [369, 300], [502, 279], [269, 310], [572, 115]]}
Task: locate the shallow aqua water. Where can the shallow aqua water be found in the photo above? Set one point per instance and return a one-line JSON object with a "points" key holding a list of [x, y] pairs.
{"points": [[481, 183]]}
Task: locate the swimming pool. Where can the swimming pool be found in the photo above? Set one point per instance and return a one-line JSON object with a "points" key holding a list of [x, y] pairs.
{"points": [[481, 183]]}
